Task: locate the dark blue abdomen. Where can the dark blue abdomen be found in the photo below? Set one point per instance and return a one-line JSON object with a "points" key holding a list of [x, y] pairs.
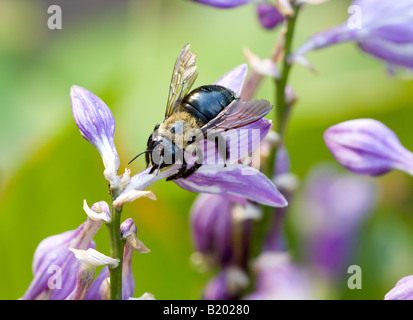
{"points": [[206, 102]]}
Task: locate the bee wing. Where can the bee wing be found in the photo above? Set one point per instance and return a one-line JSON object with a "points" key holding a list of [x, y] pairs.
{"points": [[239, 113], [183, 77]]}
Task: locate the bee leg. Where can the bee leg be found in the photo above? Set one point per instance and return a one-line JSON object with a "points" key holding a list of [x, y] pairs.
{"points": [[196, 165], [154, 167], [191, 170], [179, 174]]}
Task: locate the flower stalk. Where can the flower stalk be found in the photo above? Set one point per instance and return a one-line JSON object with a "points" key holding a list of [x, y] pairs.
{"points": [[283, 107], [116, 252]]}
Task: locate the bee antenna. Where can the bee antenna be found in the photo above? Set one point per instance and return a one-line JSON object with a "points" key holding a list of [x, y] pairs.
{"points": [[139, 155]]}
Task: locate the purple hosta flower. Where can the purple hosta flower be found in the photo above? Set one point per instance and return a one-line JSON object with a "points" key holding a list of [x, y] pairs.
{"points": [[367, 146], [402, 291], [89, 260], [55, 267], [380, 28], [270, 15], [234, 179], [333, 209], [100, 290], [278, 278], [287, 183], [227, 285], [97, 125], [217, 234]]}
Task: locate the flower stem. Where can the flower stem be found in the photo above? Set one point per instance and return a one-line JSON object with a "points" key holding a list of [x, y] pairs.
{"points": [[282, 105], [116, 252], [281, 119]]}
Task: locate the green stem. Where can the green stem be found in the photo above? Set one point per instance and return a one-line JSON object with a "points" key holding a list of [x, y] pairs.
{"points": [[282, 113], [116, 252], [281, 103]]}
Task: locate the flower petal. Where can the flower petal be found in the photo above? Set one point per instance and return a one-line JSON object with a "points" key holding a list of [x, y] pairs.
{"points": [[97, 125], [52, 259], [238, 180], [234, 79], [367, 146], [278, 278], [269, 16], [403, 290], [131, 196], [224, 4], [227, 285], [99, 211], [93, 258], [380, 28], [211, 223], [332, 209]]}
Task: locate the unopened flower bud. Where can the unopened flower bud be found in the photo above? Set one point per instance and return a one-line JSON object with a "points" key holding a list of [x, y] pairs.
{"points": [[367, 146], [97, 125]]}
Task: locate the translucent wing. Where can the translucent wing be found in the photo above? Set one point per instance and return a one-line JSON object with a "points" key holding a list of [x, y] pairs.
{"points": [[239, 113], [183, 77]]}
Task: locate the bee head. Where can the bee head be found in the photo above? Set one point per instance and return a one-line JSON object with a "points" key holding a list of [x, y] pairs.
{"points": [[162, 150]]}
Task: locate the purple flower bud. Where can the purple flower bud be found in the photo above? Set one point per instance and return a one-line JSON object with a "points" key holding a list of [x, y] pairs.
{"points": [[403, 290], [367, 146], [269, 16], [280, 279], [390, 40], [97, 125], [215, 232], [227, 285], [55, 267], [333, 209]]}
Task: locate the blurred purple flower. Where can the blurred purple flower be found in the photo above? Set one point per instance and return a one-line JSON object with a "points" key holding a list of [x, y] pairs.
{"points": [[216, 234], [403, 290], [333, 209], [227, 285], [97, 125], [53, 261], [278, 278], [100, 289], [367, 146], [287, 183], [224, 4], [234, 179], [268, 14], [380, 28]]}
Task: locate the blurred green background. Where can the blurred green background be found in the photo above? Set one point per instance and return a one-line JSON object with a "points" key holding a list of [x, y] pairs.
{"points": [[124, 52]]}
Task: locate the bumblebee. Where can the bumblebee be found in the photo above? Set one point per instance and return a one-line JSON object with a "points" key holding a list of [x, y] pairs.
{"points": [[192, 116]]}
